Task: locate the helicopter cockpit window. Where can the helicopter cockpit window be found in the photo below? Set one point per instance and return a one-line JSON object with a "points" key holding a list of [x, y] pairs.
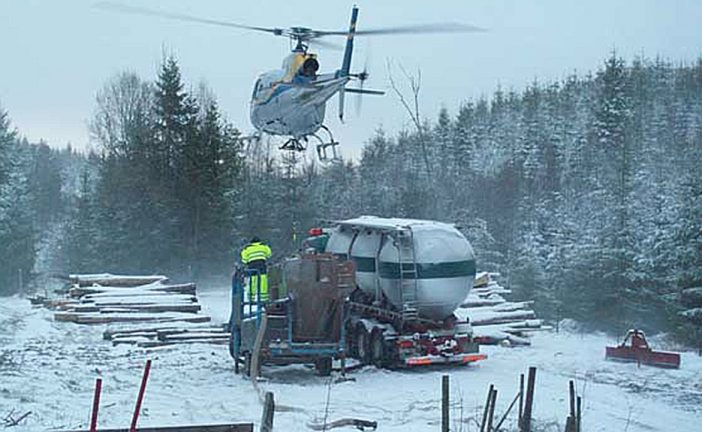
{"points": [[257, 88]]}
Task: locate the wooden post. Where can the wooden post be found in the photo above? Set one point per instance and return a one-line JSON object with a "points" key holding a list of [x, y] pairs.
{"points": [[445, 403], [268, 410], [577, 413], [487, 409], [140, 396], [521, 398], [491, 414], [525, 425], [96, 405], [571, 396]]}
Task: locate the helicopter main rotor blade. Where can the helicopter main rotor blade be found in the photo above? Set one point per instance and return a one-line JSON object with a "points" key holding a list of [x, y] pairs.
{"points": [[325, 44], [410, 29], [136, 10]]}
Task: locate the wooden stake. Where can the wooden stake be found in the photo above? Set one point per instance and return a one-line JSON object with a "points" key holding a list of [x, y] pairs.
{"points": [[521, 398], [445, 403], [491, 414], [578, 413], [140, 396], [571, 394], [268, 410], [525, 425], [96, 405], [487, 409]]}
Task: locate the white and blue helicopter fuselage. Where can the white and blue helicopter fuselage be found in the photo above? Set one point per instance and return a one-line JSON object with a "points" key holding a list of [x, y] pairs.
{"points": [[292, 101]]}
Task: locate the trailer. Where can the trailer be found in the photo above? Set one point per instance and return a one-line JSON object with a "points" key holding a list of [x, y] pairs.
{"points": [[382, 291], [411, 276], [302, 319]]}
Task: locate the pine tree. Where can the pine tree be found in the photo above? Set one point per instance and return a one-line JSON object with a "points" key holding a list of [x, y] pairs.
{"points": [[45, 184], [17, 232]]}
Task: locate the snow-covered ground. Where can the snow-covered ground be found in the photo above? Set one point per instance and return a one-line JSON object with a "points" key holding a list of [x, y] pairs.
{"points": [[50, 367]]}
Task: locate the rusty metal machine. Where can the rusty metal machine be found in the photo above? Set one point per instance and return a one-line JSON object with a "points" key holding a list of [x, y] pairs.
{"points": [[301, 321]]}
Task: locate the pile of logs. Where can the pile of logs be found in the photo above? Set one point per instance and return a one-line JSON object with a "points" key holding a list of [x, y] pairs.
{"points": [[151, 337], [171, 311], [496, 320]]}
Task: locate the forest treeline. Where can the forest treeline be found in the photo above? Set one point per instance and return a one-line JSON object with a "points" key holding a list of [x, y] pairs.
{"points": [[585, 194]]}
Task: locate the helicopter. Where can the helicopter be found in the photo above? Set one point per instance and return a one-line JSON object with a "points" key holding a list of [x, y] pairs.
{"points": [[291, 101]]}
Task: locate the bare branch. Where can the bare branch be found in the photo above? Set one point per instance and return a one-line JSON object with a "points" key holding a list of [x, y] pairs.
{"points": [[415, 83]]}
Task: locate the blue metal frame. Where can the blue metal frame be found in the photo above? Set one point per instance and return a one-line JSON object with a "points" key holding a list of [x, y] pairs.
{"points": [[293, 348]]}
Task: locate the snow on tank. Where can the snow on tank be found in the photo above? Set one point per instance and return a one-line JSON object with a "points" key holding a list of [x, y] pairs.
{"points": [[444, 258]]}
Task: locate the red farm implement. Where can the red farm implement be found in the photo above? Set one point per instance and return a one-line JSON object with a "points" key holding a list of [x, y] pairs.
{"points": [[634, 348]]}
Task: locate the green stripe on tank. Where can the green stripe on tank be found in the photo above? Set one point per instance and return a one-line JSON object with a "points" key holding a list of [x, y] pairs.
{"points": [[364, 264], [390, 270]]}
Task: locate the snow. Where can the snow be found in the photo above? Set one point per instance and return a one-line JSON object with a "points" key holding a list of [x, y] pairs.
{"points": [[49, 368], [396, 223]]}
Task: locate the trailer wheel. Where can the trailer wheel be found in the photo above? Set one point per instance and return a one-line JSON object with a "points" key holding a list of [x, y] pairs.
{"points": [[351, 347], [363, 344], [323, 366], [378, 348]]}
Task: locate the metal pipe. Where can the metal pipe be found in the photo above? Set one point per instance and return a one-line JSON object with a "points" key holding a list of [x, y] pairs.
{"points": [[140, 396]]}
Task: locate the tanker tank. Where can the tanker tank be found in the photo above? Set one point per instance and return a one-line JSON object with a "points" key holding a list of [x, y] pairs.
{"points": [[444, 259]]}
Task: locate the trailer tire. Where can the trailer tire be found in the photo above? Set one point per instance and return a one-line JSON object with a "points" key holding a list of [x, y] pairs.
{"points": [[351, 337], [323, 366], [377, 348], [363, 344]]}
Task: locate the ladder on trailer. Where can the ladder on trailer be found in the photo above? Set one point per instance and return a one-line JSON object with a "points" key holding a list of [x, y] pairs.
{"points": [[409, 274]]}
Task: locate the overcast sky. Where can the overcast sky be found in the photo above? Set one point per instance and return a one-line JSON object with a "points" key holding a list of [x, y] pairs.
{"points": [[55, 55]]}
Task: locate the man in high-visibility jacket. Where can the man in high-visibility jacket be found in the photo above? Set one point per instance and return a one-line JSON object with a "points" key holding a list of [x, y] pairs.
{"points": [[254, 257]]}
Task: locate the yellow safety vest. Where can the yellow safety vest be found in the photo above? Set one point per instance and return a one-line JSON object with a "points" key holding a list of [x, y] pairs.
{"points": [[254, 252]]}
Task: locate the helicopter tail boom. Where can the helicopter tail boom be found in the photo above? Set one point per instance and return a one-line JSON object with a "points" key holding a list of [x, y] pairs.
{"points": [[346, 64]]}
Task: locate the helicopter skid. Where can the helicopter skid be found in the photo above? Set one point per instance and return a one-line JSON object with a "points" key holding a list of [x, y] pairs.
{"points": [[324, 146]]}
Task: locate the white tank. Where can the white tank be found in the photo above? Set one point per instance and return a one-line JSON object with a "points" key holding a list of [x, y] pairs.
{"points": [[340, 242], [364, 252], [445, 261]]}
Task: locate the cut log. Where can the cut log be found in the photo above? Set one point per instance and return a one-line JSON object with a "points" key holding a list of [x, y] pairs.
{"points": [[501, 317], [145, 334], [90, 318], [125, 329], [158, 343], [153, 344], [193, 336], [213, 341], [510, 307], [474, 302], [131, 340], [138, 295], [203, 331], [189, 289], [107, 279], [187, 308], [499, 337], [490, 290]]}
